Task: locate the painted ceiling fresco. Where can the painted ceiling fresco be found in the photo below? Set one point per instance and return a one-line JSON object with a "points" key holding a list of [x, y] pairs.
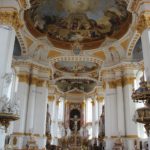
{"points": [[76, 67], [78, 20], [84, 85]]}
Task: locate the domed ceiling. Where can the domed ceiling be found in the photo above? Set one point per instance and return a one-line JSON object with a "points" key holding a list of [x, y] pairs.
{"points": [[86, 21]]}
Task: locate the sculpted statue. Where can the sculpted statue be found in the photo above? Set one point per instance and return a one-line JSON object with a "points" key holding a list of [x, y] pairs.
{"points": [[7, 79], [9, 106]]}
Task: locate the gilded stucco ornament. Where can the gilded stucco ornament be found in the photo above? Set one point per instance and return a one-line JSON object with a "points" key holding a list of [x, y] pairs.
{"points": [[11, 18], [143, 22]]}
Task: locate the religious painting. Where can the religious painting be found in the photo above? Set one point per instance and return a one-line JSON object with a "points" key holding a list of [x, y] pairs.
{"points": [[84, 85], [78, 20], [75, 118], [76, 67]]}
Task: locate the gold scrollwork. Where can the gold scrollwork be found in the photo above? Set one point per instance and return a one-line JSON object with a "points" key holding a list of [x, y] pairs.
{"points": [[10, 18], [143, 22]]}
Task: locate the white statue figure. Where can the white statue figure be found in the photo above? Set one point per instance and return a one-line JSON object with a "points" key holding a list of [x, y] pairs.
{"points": [[75, 120], [9, 106], [4, 103], [7, 78]]}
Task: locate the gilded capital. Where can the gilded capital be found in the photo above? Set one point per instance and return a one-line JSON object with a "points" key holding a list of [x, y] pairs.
{"points": [[11, 18], [23, 78], [51, 98], [112, 84], [93, 102], [119, 82], [83, 104], [128, 80], [100, 99], [143, 22]]}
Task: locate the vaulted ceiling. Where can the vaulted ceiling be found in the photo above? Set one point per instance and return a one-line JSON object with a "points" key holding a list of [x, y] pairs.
{"points": [[76, 39]]}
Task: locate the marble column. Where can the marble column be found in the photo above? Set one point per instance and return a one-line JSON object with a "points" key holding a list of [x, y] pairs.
{"points": [[31, 105], [130, 107], [111, 122], [145, 37], [39, 127], [55, 122], [22, 96], [100, 102], [93, 118], [7, 39], [120, 103]]}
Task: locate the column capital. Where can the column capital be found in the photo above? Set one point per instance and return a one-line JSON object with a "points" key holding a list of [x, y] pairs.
{"points": [[143, 22], [10, 18], [83, 104], [51, 98], [112, 84], [23, 78], [100, 99], [128, 80]]}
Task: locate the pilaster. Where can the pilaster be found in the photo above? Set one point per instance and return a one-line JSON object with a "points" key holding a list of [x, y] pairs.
{"points": [[130, 107], [111, 121]]}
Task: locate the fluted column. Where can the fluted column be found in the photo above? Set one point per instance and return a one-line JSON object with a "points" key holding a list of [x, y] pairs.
{"points": [[39, 127], [55, 122], [111, 122], [120, 103], [130, 107], [93, 118], [143, 27], [22, 96], [31, 105], [100, 102], [84, 112]]}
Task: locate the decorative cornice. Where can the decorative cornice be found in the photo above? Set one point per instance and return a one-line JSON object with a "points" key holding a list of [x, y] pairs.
{"points": [[143, 22], [25, 78], [10, 18], [32, 65]]}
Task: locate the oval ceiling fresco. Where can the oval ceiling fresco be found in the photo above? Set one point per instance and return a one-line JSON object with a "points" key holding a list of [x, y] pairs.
{"points": [[76, 67], [86, 21], [84, 85]]}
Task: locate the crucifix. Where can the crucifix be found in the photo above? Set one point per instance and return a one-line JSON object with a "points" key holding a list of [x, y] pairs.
{"points": [[75, 119]]}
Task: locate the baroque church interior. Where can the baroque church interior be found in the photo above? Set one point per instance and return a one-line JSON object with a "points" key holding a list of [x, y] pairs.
{"points": [[74, 75]]}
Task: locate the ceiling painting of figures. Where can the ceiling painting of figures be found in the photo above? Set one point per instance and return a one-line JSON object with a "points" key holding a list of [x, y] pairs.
{"points": [[86, 21], [76, 67], [84, 85]]}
